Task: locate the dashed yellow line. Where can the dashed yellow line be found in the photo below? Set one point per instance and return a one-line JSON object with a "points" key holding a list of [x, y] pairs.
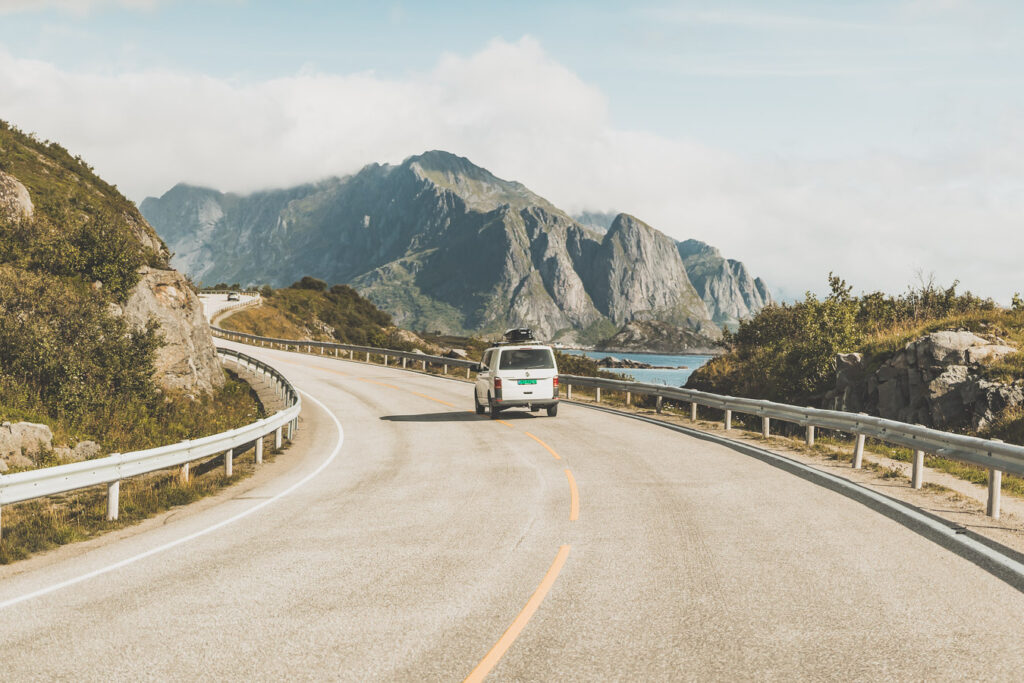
{"points": [[574, 498], [507, 424], [550, 449], [505, 642]]}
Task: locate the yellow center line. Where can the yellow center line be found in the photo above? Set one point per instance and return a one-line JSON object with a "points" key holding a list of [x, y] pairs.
{"points": [[505, 642], [380, 384], [574, 498], [416, 393], [507, 424], [550, 449]]}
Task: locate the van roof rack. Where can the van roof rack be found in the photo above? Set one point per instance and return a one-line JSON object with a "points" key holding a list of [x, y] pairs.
{"points": [[517, 335]]}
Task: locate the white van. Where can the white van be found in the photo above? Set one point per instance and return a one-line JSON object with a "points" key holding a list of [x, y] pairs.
{"points": [[517, 374]]}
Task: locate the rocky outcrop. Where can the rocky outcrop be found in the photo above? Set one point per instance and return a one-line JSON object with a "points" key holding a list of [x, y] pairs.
{"points": [[441, 245], [726, 287], [187, 361], [15, 201], [936, 380], [24, 444], [658, 337]]}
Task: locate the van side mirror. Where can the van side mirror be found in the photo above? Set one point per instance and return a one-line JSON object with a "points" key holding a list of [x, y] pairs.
{"points": [[475, 367]]}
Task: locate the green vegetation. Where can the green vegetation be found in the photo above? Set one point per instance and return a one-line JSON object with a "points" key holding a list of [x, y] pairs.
{"points": [[581, 366], [787, 352], [65, 359]]}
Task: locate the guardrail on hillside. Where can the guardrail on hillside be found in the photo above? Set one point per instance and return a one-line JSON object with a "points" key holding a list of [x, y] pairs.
{"points": [[992, 454], [110, 470]]}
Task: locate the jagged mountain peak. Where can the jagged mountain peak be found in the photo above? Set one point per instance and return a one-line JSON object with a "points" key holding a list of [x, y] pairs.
{"points": [[689, 248], [480, 189]]}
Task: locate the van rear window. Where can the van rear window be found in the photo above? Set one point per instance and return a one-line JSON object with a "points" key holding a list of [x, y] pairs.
{"points": [[526, 359]]}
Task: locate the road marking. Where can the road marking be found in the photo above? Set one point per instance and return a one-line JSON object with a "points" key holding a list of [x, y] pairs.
{"points": [[380, 384], [550, 449], [507, 424], [574, 498], [505, 642], [431, 398], [185, 539]]}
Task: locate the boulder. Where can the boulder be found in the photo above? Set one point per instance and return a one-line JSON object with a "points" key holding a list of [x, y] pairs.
{"points": [[21, 442], [15, 201], [187, 361]]}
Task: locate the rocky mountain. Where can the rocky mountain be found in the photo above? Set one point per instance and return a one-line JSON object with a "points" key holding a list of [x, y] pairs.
{"points": [[725, 285], [442, 245], [653, 336]]}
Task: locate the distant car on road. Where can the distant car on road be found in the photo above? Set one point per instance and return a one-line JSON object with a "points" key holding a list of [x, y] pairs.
{"points": [[519, 372], [233, 296]]}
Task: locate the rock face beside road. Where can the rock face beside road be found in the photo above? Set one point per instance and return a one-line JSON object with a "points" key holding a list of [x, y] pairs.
{"points": [[187, 361], [936, 380]]}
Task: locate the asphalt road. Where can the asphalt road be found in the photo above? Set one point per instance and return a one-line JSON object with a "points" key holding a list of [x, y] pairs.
{"points": [[435, 543]]}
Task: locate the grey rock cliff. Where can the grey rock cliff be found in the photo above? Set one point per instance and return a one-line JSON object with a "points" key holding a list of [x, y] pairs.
{"points": [[936, 380], [725, 285], [187, 361]]}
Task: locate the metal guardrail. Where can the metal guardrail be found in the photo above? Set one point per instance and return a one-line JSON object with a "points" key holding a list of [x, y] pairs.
{"points": [[22, 486], [992, 454]]}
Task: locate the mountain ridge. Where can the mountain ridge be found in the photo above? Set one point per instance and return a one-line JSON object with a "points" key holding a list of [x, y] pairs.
{"points": [[441, 244]]}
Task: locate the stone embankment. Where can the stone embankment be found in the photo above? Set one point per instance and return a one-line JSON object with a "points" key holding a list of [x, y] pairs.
{"points": [[937, 380]]}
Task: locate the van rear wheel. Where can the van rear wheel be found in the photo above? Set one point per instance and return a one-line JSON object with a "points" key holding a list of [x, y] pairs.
{"points": [[477, 406], [495, 411], [553, 410]]}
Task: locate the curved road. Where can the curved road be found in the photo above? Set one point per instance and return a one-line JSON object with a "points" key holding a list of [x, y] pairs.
{"points": [[433, 544]]}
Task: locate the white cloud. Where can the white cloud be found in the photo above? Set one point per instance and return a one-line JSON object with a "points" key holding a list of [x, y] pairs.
{"points": [[514, 110], [73, 6]]}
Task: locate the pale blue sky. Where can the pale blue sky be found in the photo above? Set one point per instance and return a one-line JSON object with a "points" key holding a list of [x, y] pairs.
{"points": [[775, 130]]}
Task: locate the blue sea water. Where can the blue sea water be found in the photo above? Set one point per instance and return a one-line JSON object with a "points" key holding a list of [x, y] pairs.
{"points": [[685, 365]]}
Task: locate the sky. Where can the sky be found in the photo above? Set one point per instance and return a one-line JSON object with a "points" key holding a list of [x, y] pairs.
{"points": [[882, 141]]}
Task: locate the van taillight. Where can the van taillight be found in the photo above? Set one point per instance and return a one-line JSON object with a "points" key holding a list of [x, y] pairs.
{"points": [[556, 381], [497, 383]]}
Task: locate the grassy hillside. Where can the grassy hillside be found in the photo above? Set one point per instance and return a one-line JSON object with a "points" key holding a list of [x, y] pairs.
{"points": [[65, 359], [309, 310]]}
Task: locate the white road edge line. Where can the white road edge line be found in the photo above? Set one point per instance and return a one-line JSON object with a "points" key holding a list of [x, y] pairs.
{"points": [[185, 539], [951, 534]]}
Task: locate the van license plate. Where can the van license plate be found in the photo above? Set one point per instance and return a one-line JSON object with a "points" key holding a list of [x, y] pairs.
{"points": [[527, 381]]}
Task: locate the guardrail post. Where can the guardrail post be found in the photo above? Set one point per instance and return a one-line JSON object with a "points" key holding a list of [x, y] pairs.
{"points": [[1, 523], [766, 426], [568, 391], [335, 352], [693, 411], [598, 395], [277, 438], [367, 356], [467, 372], [657, 404], [385, 359], [858, 452], [446, 368], [995, 486], [810, 435], [288, 434], [185, 467], [259, 451], [229, 463], [113, 499], [321, 350], [424, 365], [918, 473], [629, 398], [404, 359], [728, 420]]}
